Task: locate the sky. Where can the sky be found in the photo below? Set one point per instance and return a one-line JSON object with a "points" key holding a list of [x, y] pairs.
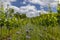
{"points": [[33, 3], [31, 6]]}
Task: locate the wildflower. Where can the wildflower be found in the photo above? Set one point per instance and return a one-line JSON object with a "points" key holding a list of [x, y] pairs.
{"points": [[28, 37], [27, 31], [18, 32], [0, 19], [9, 38]]}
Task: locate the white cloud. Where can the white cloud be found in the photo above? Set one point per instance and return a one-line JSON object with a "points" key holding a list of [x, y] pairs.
{"points": [[6, 2], [27, 8], [41, 2], [59, 1], [54, 4], [16, 9], [30, 10], [24, 2], [35, 2], [12, 0]]}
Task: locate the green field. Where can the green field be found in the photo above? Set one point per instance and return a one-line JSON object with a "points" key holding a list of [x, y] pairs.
{"points": [[19, 27]]}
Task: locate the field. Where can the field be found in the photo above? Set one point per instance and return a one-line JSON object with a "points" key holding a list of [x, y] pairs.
{"points": [[19, 27]]}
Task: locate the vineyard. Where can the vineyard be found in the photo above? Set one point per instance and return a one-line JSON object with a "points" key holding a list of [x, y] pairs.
{"points": [[19, 27]]}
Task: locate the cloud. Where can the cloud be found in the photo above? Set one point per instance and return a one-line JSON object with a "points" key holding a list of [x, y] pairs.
{"points": [[6, 2], [59, 1], [29, 10], [35, 2], [16, 9], [24, 2], [12, 0], [41, 2]]}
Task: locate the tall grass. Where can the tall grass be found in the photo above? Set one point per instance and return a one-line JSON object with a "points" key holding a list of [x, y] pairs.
{"points": [[19, 27]]}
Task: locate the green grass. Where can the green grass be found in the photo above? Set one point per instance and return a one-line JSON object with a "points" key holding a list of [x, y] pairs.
{"points": [[38, 28], [32, 31], [19, 27]]}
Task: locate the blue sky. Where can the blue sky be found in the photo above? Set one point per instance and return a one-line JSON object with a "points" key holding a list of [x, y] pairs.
{"points": [[34, 6], [19, 3], [31, 7]]}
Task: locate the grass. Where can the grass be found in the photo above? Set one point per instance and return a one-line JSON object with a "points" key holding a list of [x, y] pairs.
{"points": [[19, 27], [31, 32]]}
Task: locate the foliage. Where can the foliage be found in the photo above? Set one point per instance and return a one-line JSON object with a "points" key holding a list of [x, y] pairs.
{"points": [[58, 9]]}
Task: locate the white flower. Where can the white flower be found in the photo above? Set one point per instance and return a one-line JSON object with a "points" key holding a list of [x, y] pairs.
{"points": [[18, 32], [28, 37], [0, 19]]}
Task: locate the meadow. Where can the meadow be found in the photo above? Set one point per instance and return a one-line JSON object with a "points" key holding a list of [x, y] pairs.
{"points": [[19, 27]]}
